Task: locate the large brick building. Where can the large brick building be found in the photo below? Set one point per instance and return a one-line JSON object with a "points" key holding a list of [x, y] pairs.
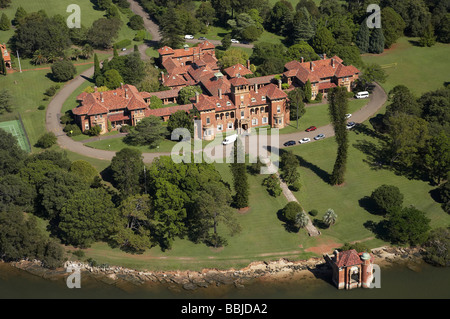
{"points": [[243, 108], [323, 74]]}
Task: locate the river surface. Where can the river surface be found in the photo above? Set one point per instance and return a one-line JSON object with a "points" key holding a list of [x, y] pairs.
{"points": [[396, 282]]}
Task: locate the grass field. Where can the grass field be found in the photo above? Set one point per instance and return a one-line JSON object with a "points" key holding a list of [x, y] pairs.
{"points": [[420, 69]]}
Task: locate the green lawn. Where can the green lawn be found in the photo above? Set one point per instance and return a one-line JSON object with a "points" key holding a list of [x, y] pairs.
{"points": [[317, 115], [420, 69], [116, 144]]}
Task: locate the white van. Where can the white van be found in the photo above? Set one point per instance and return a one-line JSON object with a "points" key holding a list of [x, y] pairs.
{"points": [[189, 37], [362, 95], [229, 139]]}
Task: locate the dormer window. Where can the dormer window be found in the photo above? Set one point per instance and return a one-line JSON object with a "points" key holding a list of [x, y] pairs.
{"points": [[263, 98], [218, 105], [253, 99], [228, 103]]}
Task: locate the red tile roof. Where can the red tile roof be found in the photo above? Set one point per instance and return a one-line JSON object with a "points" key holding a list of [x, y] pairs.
{"points": [[314, 71], [167, 94], [261, 79], [348, 258], [238, 81], [237, 70], [125, 97], [118, 117], [173, 79], [212, 85], [326, 85], [272, 92], [165, 50]]}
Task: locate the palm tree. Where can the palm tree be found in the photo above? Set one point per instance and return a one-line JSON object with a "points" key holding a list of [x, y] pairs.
{"points": [[87, 51], [301, 220], [330, 217], [39, 58], [75, 54]]}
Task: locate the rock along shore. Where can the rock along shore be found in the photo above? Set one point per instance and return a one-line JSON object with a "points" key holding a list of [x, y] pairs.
{"points": [[282, 269]]}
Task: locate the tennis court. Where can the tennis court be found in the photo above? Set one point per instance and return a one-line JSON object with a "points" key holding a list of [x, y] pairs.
{"points": [[15, 128]]}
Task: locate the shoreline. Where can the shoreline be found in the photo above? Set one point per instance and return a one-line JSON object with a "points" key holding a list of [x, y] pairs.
{"points": [[282, 270]]}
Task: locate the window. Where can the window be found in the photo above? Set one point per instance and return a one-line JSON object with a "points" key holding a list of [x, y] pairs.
{"points": [[278, 109], [242, 97], [242, 114], [228, 103], [254, 121], [264, 120], [253, 99], [86, 126], [220, 127], [280, 120], [101, 116], [230, 125], [263, 98], [95, 116], [218, 105], [261, 109], [208, 120]]}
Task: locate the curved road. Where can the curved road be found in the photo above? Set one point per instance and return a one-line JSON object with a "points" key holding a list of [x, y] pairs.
{"points": [[377, 100]]}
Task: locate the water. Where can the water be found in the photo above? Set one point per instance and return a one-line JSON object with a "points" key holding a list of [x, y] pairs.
{"points": [[396, 282]]}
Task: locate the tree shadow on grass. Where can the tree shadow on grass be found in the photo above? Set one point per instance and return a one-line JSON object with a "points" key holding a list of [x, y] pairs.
{"points": [[379, 229], [287, 226], [369, 205], [376, 155], [325, 176], [319, 223]]}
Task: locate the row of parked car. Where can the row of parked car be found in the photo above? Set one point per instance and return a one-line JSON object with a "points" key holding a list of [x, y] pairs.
{"points": [[191, 37]]}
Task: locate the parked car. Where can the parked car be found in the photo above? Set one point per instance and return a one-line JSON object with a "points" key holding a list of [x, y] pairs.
{"points": [[229, 139], [304, 140], [347, 116], [189, 36], [319, 137], [362, 95], [234, 41], [124, 49], [289, 143], [202, 38], [350, 125], [311, 128]]}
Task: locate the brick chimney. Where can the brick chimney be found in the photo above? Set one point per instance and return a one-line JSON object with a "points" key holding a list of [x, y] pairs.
{"points": [[162, 77], [248, 64], [312, 66], [197, 97], [332, 63], [121, 85], [101, 97], [324, 56], [220, 93], [279, 84], [256, 87], [336, 255], [126, 93], [302, 59]]}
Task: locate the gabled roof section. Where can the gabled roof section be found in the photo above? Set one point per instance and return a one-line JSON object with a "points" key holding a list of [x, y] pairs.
{"points": [[348, 258], [238, 81], [237, 70]]}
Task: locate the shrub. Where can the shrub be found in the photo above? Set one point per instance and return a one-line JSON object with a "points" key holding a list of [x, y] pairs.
{"points": [[314, 212], [285, 86], [125, 129], [63, 70], [122, 44], [273, 185], [140, 36], [72, 130], [136, 22], [51, 90], [41, 107], [94, 131], [387, 198], [319, 97], [46, 140], [296, 186], [79, 253], [65, 119]]}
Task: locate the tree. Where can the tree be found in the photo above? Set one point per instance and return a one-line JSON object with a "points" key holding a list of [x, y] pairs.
{"points": [[296, 105], [128, 168], [273, 185], [301, 50], [302, 26], [102, 33], [240, 179], [84, 170], [6, 102], [408, 226], [363, 37], [63, 71], [294, 215], [437, 157], [207, 216], [330, 217], [232, 57], [171, 29], [376, 42], [187, 93], [226, 41], [308, 91], [136, 22], [20, 15], [338, 108], [4, 3], [387, 198], [87, 51], [14, 191], [5, 23], [407, 135], [349, 54], [428, 39], [47, 140], [180, 119], [437, 247], [104, 4], [12, 156], [289, 168], [133, 233], [393, 26], [113, 80], [443, 29], [149, 131], [87, 216], [323, 41], [280, 18], [372, 73], [53, 256], [97, 70], [206, 13]]}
